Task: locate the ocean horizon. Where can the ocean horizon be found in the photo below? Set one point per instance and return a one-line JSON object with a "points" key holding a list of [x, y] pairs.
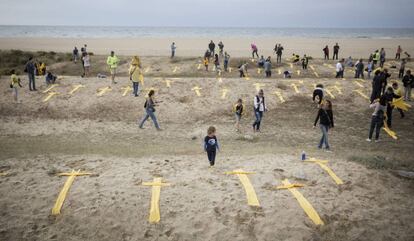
{"points": [[21, 31]]}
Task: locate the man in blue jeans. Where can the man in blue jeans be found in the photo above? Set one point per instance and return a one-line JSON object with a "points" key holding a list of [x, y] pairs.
{"points": [[150, 109], [30, 70], [259, 108]]}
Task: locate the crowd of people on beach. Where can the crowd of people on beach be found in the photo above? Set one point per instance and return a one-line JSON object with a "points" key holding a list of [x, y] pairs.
{"points": [[382, 98]]}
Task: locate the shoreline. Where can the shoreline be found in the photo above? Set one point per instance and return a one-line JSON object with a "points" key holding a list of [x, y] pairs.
{"points": [[186, 47]]}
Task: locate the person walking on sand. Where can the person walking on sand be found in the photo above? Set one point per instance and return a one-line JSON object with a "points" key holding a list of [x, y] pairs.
{"points": [[14, 84], [211, 145], [335, 51], [279, 53], [305, 61], [402, 69], [259, 106], [340, 69], [86, 64], [149, 106], [382, 57], [408, 83], [326, 52], [30, 69], [135, 74], [398, 53], [226, 61], [254, 50], [238, 110], [221, 48], [75, 55], [173, 48], [268, 67], [325, 123], [243, 70], [359, 69], [212, 47], [377, 118], [112, 61]]}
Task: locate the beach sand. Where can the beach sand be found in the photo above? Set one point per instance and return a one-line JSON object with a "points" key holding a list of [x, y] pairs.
{"points": [[100, 135], [190, 47]]}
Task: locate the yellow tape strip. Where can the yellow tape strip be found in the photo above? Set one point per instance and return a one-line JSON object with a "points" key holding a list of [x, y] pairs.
{"points": [[199, 66], [359, 84], [197, 90], [400, 103], [224, 93], [338, 89], [102, 91], [75, 89], [330, 94], [362, 94], [259, 86], [279, 71], [49, 96], [331, 173], [298, 72], [168, 83], [306, 206], [282, 100], [147, 69], [250, 193], [175, 69], [311, 66], [50, 88], [154, 216], [126, 90], [389, 131], [316, 74], [62, 195], [3, 174], [295, 87]]}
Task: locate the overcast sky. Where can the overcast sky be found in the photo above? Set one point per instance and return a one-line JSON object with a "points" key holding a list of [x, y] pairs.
{"points": [[224, 13]]}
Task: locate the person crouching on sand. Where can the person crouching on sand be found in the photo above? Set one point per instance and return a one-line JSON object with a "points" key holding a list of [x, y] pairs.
{"points": [[112, 62], [149, 106], [238, 110], [15, 82], [325, 119], [135, 74], [211, 145], [243, 70]]}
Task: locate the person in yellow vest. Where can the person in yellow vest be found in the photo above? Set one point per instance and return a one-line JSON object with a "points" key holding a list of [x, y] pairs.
{"points": [[376, 57], [112, 63], [15, 82], [135, 74]]}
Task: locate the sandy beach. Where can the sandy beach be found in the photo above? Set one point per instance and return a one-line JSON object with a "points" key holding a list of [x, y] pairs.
{"points": [[190, 47]]}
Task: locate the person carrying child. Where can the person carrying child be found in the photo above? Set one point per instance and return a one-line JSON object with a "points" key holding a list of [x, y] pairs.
{"points": [[15, 82], [211, 145]]}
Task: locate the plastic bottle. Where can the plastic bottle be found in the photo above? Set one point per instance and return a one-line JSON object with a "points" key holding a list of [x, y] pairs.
{"points": [[303, 155]]}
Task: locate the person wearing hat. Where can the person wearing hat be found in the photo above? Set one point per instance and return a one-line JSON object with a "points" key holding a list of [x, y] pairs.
{"points": [[135, 74]]}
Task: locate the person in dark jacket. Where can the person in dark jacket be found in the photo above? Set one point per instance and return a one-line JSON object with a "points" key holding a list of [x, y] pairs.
{"points": [[359, 69], [376, 86], [318, 91], [408, 82], [384, 80], [325, 123], [389, 95], [30, 69], [212, 47], [149, 106], [335, 51], [211, 145], [326, 52]]}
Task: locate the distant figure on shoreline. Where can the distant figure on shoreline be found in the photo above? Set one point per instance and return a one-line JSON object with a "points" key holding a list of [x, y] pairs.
{"points": [[112, 62], [254, 50], [335, 51], [326, 52], [173, 48], [212, 47], [75, 55]]}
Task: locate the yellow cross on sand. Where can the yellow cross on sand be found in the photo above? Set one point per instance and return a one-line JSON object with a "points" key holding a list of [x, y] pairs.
{"points": [[224, 92], [362, 94], [65, 189], [168, 83], [75, 88], [330, 93], [316, 74], [279, 71], [295, 87], [230, 69], [359, 84], [197, 90], [175, 69], [154, 216], [259, 86], [126, 90], [322, 163], [147, 69], [250, 193], [401, 104], [311, 66], [50, 88], [298, 72], [102, 91], [199, 66], [306, 206], [259, 70], [338, 89], [220, 80], [49, 96], [278, 94], [391, 133]]}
